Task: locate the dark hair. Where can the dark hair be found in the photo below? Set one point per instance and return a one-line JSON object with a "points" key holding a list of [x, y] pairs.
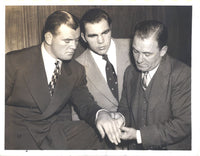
{"points": [[148, 28], [94, 16], [57, 18]]}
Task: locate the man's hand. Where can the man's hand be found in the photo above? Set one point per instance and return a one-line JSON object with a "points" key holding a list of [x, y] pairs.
{"points": [[106, 125], [119, 119], [128, 133]]}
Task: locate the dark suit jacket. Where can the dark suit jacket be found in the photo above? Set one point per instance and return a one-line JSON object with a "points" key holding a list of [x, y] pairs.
{"points": [[31, 113], [169, 105]]}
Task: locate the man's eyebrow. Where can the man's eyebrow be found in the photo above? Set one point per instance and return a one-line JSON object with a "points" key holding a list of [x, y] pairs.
{"points": [[70, 39], [92, 35], [104, 32], [145, 52], [134, 49]]}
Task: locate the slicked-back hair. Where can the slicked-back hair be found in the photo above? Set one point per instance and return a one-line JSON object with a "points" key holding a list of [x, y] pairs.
{"points": [[58, 18], [94, 16], [152, 28]]}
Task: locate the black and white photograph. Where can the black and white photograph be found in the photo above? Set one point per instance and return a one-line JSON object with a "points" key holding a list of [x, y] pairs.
{"points": [[99, 79]]}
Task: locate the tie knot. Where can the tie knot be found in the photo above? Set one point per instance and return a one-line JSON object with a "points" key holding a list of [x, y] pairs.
{"points": [[105, 57], [146, 73], [57, 63], [145, 80]]}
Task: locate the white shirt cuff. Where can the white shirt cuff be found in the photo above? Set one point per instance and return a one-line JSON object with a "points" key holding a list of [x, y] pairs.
{"points": [[138, 137], [97, 114]]}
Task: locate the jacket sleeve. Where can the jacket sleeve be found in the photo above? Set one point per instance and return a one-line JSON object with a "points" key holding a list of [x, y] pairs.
{"points": [[83, 100], [9, 76], [178, 126], [124, 105]]}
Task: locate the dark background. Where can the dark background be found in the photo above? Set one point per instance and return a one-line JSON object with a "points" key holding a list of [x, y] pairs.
{"points": [[24, 24]]}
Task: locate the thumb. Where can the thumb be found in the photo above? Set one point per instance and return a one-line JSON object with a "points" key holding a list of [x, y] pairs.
{"points": [[126, 129]]}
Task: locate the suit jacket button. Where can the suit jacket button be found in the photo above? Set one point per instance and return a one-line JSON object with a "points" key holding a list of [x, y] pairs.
{"points": [[19, 135]]}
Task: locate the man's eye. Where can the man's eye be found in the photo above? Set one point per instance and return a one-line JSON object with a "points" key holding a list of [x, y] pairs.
{"points": [[136, 52], [147, 54], [91, 36], [67, 41], [106, 32]]}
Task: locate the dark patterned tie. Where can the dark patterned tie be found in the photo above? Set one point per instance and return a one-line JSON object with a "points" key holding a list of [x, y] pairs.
{"points": [[144, 80], [54, 77], [111, 77]]}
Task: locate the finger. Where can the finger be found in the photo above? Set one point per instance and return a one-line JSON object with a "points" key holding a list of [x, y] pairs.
{"points": [[108, 131], [126, 129], [124, 136], [112, 115], [118, 133], [115, 133], [101, 131]]}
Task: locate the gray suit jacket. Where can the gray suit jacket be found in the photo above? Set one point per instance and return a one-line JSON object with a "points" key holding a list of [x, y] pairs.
{"points": [[96, 83], [168, 122]]}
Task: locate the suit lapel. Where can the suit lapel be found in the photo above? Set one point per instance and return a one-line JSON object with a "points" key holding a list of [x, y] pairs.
{"points": [[134, 93], [159, 84], [122, 62], [36, 78], [95, 77], [62, 90]]}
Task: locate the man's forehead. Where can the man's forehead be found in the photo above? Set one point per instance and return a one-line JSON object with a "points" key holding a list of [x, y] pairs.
{"points": [[147, 40], [64, 28]]}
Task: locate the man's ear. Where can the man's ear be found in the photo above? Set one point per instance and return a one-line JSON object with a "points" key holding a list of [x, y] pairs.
{"points": [[48, 37], [163, 51], [83, 37]]}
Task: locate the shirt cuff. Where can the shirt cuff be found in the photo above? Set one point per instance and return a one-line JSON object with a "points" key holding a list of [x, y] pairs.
{"points": [[123, 118], [138, 137], [97, 114]]}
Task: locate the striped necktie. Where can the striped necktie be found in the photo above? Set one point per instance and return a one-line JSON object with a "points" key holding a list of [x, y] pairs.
{"points": [[54, 78], [145, 80]]}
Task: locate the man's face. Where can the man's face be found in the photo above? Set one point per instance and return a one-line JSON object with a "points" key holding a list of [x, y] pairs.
{"points": [[146, 53], [98, 36], [64, 42]]}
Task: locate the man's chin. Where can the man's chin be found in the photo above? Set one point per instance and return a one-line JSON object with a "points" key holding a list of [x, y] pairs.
{"points": [[142, 69], [68, 58]]}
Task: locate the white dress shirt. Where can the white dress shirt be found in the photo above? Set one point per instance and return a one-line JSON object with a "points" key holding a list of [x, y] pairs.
{"points": [[101, 63], [49, 63]]}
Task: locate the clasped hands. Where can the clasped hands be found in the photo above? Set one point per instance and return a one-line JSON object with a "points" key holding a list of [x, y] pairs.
{"points": [[112, 124]]}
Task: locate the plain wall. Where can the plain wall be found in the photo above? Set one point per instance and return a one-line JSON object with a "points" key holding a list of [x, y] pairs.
{"points": [[24, 24]]}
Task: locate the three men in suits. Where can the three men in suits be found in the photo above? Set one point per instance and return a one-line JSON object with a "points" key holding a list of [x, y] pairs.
{"points": [[37, 111], [156, 97], [96, 32]]}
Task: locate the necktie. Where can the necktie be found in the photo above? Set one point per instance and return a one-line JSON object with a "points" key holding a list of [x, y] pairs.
{"points": [[54, 77], [145, 80], [111, 77]]}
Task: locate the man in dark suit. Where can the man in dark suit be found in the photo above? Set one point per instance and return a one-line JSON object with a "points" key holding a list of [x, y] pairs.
{"points": [[156, 97], [38, 93]]}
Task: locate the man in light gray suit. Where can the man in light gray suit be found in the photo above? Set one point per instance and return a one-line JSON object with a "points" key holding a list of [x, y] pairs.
{"points": [[96, 32]]}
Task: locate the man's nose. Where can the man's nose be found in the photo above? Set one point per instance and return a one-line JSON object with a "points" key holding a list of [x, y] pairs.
{"points": [[73, 44], [100, 39], [140, 58]]}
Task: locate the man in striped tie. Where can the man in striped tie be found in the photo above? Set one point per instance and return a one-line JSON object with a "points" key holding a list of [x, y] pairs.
{"points": [[156, 98], [37, 111]]}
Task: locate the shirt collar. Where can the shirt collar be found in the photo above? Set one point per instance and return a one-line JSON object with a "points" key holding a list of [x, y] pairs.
{"points": [[47, 57], [109, 52], [152, 72]]}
